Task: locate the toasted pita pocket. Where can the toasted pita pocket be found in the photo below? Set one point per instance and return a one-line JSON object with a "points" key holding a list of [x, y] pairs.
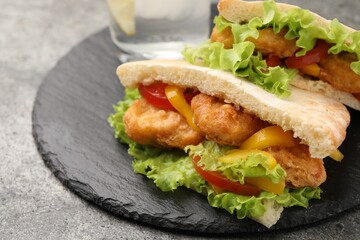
{"points": [[318, 121], [238, 11]]}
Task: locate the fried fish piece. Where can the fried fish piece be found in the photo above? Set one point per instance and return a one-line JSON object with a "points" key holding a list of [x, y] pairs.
{"points": [[267, 43], [225, 36], [335, 69], [276, 44], [302, 170], [222, 122], [148, 125]]}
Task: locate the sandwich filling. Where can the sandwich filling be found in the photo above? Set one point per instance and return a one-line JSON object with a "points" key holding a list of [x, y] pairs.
{"points": [[317, 63], [215, 148], [224, 124]]}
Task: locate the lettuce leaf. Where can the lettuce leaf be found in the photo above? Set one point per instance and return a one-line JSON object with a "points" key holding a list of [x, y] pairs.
{"points": [[245, 206], [116, 119], [303, 25], [255, 165], [172, 169], [242, 61]]}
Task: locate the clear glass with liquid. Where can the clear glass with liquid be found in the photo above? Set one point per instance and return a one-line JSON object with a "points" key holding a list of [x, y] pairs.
{"points": [[162, 28]]}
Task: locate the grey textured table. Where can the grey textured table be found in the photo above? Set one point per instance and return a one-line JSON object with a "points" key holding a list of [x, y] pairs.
{"points": [[33, 203]]}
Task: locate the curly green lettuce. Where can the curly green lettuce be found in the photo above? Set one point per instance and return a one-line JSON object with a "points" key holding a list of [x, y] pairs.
{"points": [[242, 63], [255, 165], [241, 60], [172, 169]]}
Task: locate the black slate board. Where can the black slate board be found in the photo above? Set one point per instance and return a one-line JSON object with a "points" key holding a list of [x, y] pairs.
{"points": [[74, 139]]}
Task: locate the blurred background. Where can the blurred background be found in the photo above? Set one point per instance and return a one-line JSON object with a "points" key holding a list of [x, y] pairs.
{"points": [[35, 35]]}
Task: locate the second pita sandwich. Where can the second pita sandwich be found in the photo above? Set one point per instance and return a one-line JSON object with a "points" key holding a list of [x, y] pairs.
{"points": [[276, 44]]}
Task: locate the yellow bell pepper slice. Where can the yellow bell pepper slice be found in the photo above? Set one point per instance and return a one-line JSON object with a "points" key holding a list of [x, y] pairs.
{"points": [[175, 95], [337, 155], [266, 184], [260, 182], [312, 70], [243, 154], [267, 137]]}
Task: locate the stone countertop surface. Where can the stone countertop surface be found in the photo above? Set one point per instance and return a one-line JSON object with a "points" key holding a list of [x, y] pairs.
{"points": [[33, 203]]}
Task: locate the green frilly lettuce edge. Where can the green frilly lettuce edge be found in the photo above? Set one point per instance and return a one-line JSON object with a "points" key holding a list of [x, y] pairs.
{"points": [[255, 165], [241, 61], [172, 169]]}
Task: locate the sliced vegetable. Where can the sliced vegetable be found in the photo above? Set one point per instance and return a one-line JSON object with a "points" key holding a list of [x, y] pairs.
{"points": [[312, 70], [273, 61], [319, 52], [155, 95], [242, 63], [216, 189], [175, 95], [357, 96], [261, 182], [267, 137], [337, 155], [243, 154], [266, 184], [217, 179]]}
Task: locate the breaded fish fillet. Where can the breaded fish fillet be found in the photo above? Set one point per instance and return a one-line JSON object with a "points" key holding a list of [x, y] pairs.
{"points": [[223, 123], [301, 169], [336, 70], [148, 125]]}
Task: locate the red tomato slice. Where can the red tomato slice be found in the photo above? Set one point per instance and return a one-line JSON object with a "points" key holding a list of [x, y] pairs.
{"points": [[217, 179], [357, 96], [273, 61], [312, 56], [155, 95]]}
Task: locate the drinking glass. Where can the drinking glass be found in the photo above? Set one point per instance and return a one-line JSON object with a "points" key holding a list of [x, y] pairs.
{"points": [[148, 29]]}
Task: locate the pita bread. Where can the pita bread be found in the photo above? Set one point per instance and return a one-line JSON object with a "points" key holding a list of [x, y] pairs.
{"points": [[318, 121], [327, 90], [239, 11]]}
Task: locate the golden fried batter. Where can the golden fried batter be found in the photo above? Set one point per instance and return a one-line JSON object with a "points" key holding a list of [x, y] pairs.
{"points": [[225, 36], [223, 123], [267, 43], [301, 169], [335, 69], [148, 125]]}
